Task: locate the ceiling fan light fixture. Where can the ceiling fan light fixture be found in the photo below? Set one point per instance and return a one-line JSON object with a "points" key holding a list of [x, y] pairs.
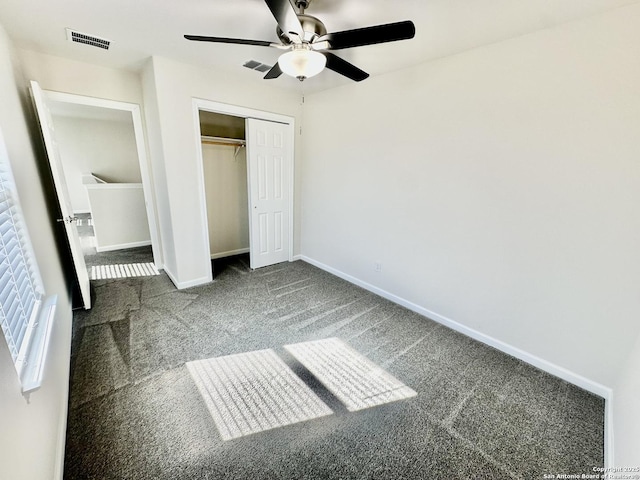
{"points": [[302, 62]]}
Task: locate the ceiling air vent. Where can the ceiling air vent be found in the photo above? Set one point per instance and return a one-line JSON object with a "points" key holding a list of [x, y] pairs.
{"points": [[261, 67], [78, 37]]}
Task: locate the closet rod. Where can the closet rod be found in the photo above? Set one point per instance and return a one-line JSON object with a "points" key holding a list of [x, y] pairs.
{"points": [[222, 141], [232, 142]]}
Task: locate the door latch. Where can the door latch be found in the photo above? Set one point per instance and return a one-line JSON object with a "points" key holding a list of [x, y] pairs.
{"points": [[68, 219]]}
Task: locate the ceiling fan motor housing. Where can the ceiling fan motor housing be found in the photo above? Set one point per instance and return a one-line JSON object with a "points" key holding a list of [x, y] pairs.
{"points": [[311, 26]]}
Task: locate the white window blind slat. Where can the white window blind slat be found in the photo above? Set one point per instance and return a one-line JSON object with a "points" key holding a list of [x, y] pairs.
{"points": [[23, 286], [12, 249], [20, 332], [5, 227], [4, 269], [6, 292], [13, 311]]}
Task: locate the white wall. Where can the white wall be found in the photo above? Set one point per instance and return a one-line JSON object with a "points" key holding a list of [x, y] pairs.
{"points": [[102, 147], [157, 157], [32, 429], [499, 188], [119, 216], [225, 179], [70, 76], [169, 88]]}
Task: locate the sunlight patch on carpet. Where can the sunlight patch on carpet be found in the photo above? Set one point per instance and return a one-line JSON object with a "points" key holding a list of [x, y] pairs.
{"points": [[125, 270], [354, 379], [252, 392]]}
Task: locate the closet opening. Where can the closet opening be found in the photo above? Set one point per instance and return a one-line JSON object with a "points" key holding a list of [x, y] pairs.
{"points": [[246, 186], [224, 166]]}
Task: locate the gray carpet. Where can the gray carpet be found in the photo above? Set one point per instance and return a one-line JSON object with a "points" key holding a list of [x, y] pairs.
{"points": [[136, 413], [92, 257]]}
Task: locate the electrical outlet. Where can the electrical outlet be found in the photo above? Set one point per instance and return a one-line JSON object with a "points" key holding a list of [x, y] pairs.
{"points": [[377, 266]]}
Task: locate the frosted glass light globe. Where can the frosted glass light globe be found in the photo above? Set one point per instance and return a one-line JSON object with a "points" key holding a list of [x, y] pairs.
{"points": [[302, 63]]}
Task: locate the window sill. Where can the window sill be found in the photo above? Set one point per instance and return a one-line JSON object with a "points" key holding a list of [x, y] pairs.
{"points": [[33, 371]]}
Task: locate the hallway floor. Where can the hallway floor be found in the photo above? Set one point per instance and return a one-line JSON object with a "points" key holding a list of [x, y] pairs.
{"points": [[94, 258], [137, 413]]}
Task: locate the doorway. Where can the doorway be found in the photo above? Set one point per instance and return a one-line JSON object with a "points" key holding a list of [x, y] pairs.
{"points": [[267, 193], [98, 159]]}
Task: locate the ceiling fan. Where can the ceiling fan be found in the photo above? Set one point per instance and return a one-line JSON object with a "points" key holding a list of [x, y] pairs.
{"points": [[308, 43]]}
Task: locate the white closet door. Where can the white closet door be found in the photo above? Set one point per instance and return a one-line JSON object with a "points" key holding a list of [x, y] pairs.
{"points": [[62, 191], [268, 164]]}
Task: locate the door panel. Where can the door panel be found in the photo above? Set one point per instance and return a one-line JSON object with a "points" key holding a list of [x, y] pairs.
{"points": [[277, 178], [262, 178], [264, 233], [62, 192], [268, 164], [278, 232]]}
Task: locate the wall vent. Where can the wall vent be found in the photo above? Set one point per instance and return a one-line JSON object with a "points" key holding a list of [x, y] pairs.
{"points": [[261, 67], [78, 37]]}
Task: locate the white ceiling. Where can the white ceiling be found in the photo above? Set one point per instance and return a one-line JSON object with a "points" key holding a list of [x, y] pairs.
{"points": [[141, 28]]}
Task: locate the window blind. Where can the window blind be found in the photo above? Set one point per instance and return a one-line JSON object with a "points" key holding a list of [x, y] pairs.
{"points": [[21, 289]]}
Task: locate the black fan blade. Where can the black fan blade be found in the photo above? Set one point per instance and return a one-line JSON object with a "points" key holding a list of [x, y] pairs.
{"points": [[275, 72], [345, 68], [285, 15], [389, 32], [239, 41]]}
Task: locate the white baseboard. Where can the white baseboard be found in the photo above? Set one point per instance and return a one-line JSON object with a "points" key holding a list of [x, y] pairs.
{"points": [[111, 248], [609, 459], [553, 369], [190, 283], [295, 258], [230, 253], [58, 473], [171, 276]]}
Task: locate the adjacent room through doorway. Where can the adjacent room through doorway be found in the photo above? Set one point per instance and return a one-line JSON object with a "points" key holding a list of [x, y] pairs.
{"points": [[98, 161]]}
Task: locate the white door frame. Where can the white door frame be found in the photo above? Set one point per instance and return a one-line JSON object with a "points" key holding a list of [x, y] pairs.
{"points": [[244, 112], [143, 159]]}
